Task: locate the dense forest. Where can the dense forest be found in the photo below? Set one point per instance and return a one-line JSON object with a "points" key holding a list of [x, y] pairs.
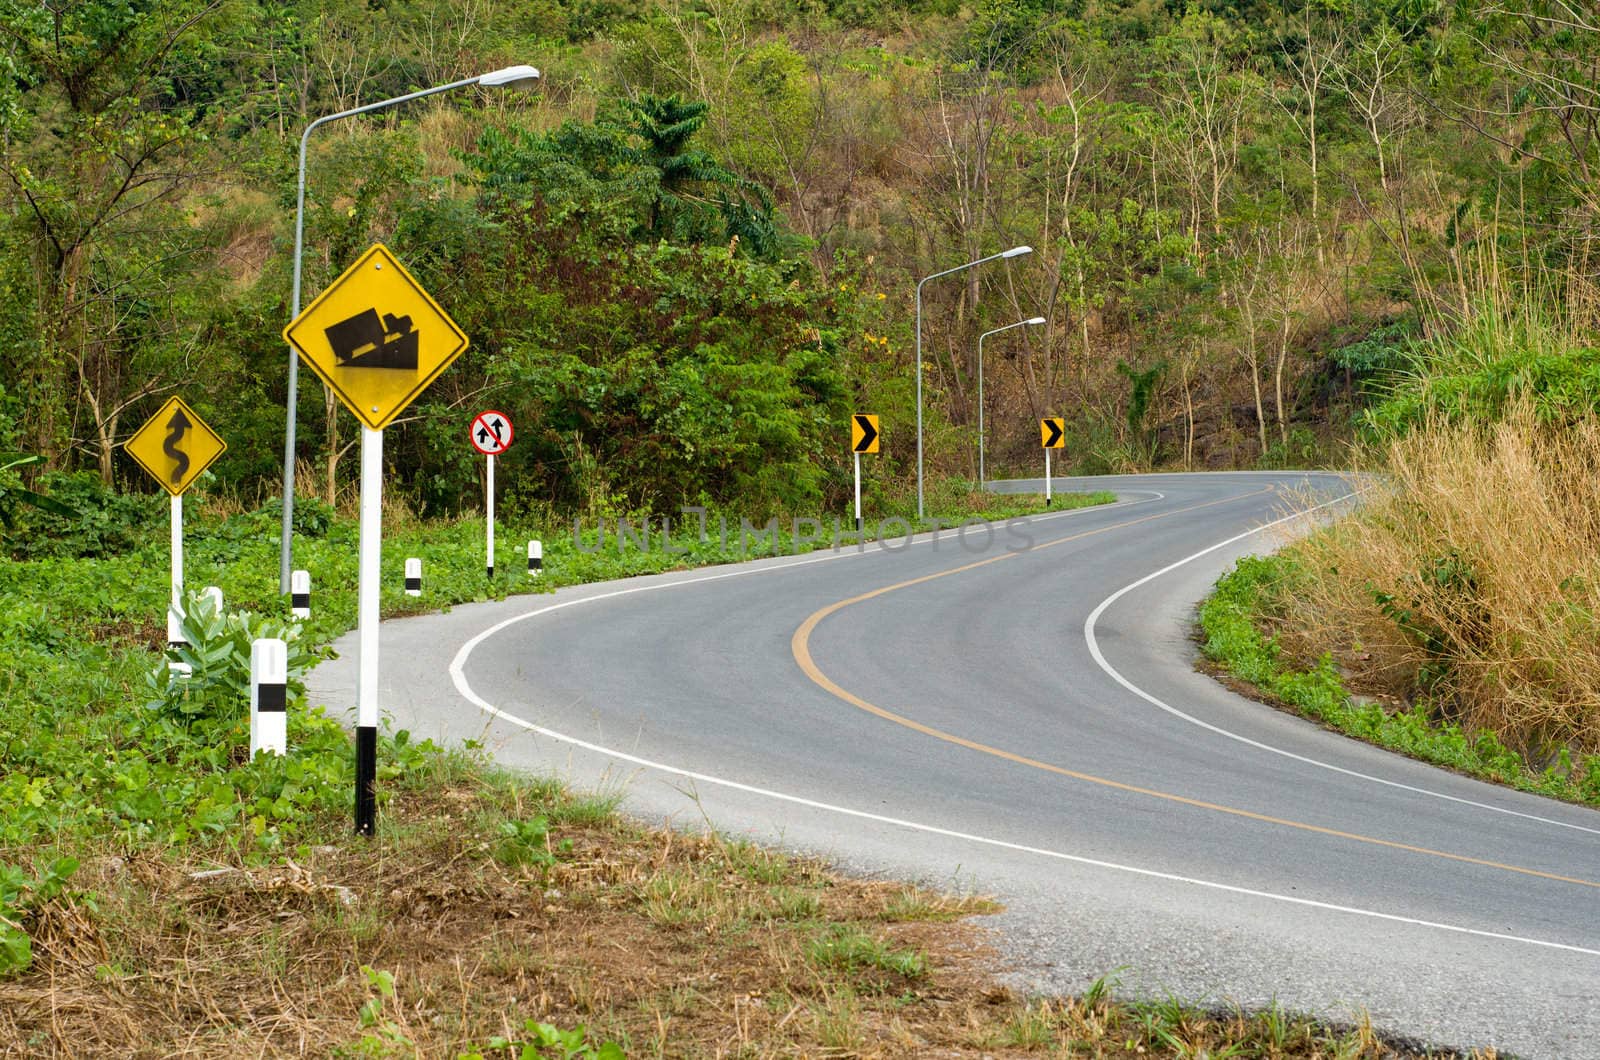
{"points": [[692, 251]]}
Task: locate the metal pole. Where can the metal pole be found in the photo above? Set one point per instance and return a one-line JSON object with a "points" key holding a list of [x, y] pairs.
{"points": [[1012, 253], [488, 506], [985, 335], [368, 575], [290, 407], [1047, 478], [858, 492], [175, 604], [919, 396], [1019, 324]]}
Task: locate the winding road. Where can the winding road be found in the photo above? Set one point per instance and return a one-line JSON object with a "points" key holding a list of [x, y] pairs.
{"points": [[1016, 712]]}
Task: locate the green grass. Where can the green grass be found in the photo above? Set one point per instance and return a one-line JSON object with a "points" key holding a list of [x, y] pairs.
{"points": [[1230, 624]]}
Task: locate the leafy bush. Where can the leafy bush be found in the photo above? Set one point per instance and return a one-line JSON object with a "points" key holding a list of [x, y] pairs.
{"points": [[88, 519], [215, 658]]}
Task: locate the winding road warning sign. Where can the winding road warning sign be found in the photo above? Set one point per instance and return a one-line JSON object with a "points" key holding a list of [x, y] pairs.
{"points": [[491, 432], [175, 446]]}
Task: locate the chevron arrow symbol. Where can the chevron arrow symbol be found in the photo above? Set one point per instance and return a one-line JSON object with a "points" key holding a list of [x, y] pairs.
{"points": [[867, 434]]}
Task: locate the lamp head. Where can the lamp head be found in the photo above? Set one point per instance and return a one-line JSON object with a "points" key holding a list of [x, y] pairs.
{"points": [[1016, 252], [1034, 320], [514, 76]]}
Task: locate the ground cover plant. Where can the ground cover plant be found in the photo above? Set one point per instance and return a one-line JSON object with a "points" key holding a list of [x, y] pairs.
{"points": [[162, 895]]}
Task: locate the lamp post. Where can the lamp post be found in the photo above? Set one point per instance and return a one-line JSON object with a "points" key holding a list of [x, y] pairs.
{"points": [[511, 76], [1014, 252], [1019, 324]]}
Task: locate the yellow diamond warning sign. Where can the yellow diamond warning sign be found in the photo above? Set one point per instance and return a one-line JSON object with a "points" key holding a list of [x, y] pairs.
{"points": [[175, 445], [376, 338]]}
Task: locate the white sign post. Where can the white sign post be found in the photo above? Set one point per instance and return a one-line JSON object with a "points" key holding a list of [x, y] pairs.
{"points": [[368, 573], [175, 607], [377, 340], [491, 433]]}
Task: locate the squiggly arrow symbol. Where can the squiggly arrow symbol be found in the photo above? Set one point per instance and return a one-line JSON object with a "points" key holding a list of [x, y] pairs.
{"points": [[177, 427]]}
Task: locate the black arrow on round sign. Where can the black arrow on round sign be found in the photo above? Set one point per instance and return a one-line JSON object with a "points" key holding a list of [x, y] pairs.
{"points": [[869, 434]]}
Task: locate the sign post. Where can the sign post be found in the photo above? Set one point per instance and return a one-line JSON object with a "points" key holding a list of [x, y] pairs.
{"points": [[175, 446], [377, 340], [491, 433], [864, 438], [1053, 435]]}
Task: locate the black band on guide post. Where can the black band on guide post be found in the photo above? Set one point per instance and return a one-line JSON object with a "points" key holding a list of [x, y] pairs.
{"points": [[366, 779]]}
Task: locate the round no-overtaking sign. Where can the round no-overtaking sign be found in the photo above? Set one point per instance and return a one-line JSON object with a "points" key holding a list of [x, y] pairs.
{"points": [[491, 432]]}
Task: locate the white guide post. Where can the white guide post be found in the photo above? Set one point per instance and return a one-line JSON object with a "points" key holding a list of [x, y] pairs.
{"points": [[368, 574], [1047, 478], [300, 594], [269, 696], [858, 493], [535, 558], [214, 595], [488, 507], [413, 576]]}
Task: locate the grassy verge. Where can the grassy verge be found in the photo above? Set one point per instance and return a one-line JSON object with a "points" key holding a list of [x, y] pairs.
{"points": [[161, 894], [1240, 624]]}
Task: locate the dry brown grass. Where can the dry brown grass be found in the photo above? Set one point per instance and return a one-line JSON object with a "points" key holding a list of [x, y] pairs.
{"points": [[674, 945], [1471, 575]]}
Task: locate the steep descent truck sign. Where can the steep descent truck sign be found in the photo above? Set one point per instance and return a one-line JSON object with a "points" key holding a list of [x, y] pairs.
{"points": [[376, 338], [363, 341]]}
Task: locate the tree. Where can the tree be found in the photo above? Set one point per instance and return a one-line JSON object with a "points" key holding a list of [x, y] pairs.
{"points": [[94, 156]]}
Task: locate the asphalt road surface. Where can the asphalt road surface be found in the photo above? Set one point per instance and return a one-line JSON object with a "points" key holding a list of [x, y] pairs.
{"points": [[1017, 713]]}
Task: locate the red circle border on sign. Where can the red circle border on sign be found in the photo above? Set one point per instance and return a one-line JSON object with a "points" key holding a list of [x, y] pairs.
{"points": [[472, 432]]}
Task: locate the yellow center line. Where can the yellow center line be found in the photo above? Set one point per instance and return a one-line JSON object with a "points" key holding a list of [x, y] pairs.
{"points": [[800, 646]]}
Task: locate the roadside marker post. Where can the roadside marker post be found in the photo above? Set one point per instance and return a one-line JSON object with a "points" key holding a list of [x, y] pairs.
{"points": [[175, 446], [864, 438], [300, 594], [269, 696], [490, 434], [377, 340], [535, 558], [214, 594], [413, 576], [1053, 435]]}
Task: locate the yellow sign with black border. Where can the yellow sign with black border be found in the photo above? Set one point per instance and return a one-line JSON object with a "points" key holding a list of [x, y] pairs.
{"points": [[1053, 432], [376, 338], [864, 435], [175, 446]]}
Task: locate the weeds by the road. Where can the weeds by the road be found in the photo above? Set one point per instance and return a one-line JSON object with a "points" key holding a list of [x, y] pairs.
{"points": [[427, 941], [1459, 604]]}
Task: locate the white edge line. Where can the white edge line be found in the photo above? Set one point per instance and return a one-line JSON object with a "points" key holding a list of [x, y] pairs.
{"points": [[458, 677], [1100, 659]]}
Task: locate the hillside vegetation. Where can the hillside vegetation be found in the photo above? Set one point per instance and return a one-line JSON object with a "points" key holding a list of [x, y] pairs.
{"points": [[692, 251]]}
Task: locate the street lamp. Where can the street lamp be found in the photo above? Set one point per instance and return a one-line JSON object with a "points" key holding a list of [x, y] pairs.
{"points": [[1014, 252], [1019, 324], [511, 76]]}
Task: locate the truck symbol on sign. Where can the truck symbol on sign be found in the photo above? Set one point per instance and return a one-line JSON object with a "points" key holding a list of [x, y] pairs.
{"points": [[363, 341]]}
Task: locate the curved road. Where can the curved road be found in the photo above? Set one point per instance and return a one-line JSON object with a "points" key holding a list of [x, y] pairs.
{"points": [[1017, 713]]}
